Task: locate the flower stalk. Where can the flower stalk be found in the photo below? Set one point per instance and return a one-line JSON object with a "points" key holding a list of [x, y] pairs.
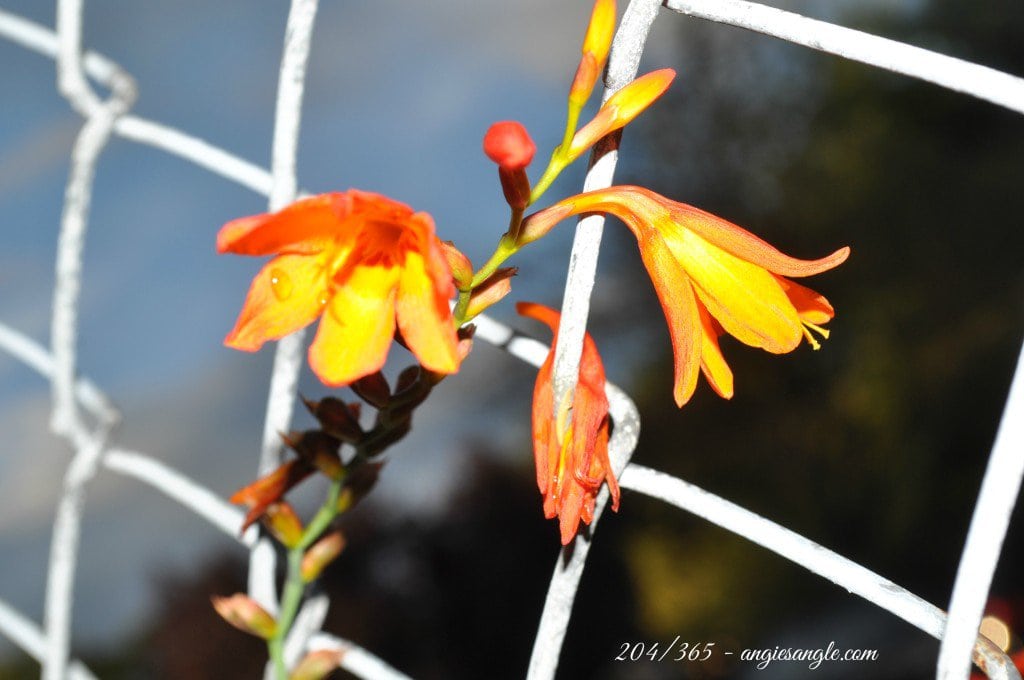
{"points": [[295, 585]]}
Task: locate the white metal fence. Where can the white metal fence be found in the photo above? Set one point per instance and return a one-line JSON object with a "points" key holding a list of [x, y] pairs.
{"points": [[84, 416]]}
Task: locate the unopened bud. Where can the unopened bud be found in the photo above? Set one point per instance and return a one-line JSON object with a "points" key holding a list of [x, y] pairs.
{"points": [[409, 376], [515, 186], [621, 108], [283, 523], [596, 45], [317, 665], [541, 222], [601, 30], [509, 145], [269, 489], [465, 346], [242, 612], [359, 483], [336, 418], [373, 389], [319, 449], [459, 264], [320, 554], [497, 286]]}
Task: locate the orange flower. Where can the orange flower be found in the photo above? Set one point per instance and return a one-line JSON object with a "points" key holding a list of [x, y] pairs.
{"points": [[570, 449], [711, 277], [358, 260]]}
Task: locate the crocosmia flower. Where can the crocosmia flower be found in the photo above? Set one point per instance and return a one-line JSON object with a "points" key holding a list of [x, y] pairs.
{"points": [[712, 277], [570, 444], [361, 263]]}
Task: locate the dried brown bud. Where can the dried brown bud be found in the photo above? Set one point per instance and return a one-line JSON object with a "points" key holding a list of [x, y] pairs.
{"points": [[318, 449], [336, 418], [359, 483], [270, 489], [373, 389]]}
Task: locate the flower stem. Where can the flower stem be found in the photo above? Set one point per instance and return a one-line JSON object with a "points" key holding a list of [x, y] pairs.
{"points": [[557, 163], [295, 587], [506, 248]]}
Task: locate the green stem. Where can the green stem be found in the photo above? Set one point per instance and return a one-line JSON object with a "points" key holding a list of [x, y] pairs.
{"points": [[295, 587], [560, 156], [570, 123], [555, 167], [462, 307], [515, 220], [506, 249]]}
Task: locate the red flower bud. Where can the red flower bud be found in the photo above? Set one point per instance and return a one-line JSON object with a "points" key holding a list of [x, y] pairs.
{"points": [[509, 145]]}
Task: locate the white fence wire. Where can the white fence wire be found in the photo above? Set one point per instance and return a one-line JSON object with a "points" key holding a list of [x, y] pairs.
{"points": [[84, 416]]}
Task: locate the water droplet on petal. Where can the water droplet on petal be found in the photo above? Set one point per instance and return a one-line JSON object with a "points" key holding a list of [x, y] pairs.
{"points": [[280, 283], [323, 298]]}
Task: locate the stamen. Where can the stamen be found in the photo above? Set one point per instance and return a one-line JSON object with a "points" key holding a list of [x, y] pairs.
{"points": [[810, 338]]}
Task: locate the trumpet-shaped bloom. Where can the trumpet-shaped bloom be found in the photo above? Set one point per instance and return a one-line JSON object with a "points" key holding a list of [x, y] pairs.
{"points": [[711, 277], [360, 262], [570, 445]]}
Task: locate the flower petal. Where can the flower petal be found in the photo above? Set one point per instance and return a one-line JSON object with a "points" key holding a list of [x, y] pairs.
{"points": [[302, 227], [545, 444], [743, 244], [712, 362], [639, 207], [424, 317], [283, 298], [747, 300], [357, 327], [545, 441], [810, 305], [680, 306]]}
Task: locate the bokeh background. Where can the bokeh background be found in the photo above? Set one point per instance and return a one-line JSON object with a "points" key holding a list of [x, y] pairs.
{"points": [[873, 446]]}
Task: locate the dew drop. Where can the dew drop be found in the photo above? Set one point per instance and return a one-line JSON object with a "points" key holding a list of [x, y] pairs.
{"points": [[323, 298], [281, 284]]}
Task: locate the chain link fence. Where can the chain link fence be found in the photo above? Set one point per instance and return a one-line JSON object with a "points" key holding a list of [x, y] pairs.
{"points": [[85, 417]]}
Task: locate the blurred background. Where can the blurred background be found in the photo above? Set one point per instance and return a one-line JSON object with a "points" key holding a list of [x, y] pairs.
{"points": [[874, 446]]}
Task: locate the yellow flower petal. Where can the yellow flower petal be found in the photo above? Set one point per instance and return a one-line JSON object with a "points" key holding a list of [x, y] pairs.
{"points": [[747, 300], [712, 361], [357, 327]]}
